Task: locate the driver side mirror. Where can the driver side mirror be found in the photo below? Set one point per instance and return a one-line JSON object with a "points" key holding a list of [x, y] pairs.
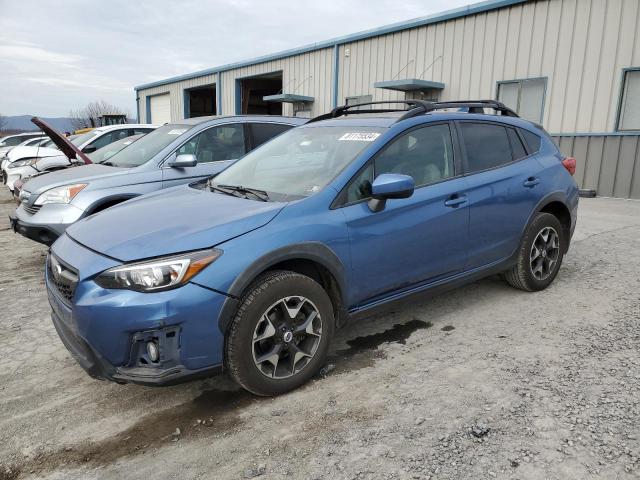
{"points": [[89, 149], [390, 185], [182, 161]]}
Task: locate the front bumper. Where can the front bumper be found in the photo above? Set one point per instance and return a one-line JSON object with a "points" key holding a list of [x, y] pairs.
{"points": [[45, 224], [105, 329], [18, 173]]}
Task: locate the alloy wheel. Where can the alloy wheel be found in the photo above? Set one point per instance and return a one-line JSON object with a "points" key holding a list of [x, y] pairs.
{"points": [[544, 254], [286, 337]]}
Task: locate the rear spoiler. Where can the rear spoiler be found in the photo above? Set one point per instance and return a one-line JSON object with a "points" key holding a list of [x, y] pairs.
{"points": [[69, 149]]}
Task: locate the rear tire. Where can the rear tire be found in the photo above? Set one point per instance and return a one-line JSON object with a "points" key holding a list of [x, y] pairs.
{"points": [[539, 256], [280, 334]]}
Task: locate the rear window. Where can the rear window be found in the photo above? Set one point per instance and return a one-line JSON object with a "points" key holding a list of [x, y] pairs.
{"points": [[531, 139], [487, 146]]}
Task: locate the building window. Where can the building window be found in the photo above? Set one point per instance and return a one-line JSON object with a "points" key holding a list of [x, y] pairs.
{"points": [[629, 117], [359, 99], [525, 97]]}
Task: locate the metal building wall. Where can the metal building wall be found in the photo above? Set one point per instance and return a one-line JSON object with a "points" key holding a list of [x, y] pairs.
{"points": [[176, 92], [580, 46], [608, 164], [308, 74]]}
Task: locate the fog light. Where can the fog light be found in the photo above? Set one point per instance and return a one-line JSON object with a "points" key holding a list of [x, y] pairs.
{"points": [[152, 351]]}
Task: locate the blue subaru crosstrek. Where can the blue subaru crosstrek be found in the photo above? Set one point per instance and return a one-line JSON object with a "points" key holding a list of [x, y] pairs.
{"points": [[252, 271]]}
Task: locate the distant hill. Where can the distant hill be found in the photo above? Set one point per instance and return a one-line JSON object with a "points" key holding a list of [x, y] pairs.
{"points": [[23, 122]]}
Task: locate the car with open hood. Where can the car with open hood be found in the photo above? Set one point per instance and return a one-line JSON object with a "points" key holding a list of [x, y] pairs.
{"points": [[171, 155], [252, 270], [71, 151], [99, 156]]}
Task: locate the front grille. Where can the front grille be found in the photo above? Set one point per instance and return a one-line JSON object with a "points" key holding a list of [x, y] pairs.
{"points": [[63, 277], [31, 209]]}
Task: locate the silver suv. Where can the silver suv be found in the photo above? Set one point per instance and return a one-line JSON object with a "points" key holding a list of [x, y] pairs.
{"points": [[173, 154]]}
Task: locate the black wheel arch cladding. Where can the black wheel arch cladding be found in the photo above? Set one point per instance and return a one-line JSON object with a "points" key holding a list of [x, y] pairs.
{"points": [[315, 252]]}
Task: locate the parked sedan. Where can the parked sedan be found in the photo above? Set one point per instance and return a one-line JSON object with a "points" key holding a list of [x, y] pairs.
{"points": [[255, 269], [171, 155], [35, 161]]}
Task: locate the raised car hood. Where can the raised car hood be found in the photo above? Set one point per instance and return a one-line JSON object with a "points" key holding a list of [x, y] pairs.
{"points": [[79, 174], [172, 221], [69, 149]]}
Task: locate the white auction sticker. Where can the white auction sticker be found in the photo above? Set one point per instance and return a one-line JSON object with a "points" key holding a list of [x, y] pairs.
{"points": [[177, 131], [359, 137]]}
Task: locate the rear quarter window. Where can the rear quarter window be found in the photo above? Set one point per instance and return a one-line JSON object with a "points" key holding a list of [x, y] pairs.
{"points": [[531, 139]]}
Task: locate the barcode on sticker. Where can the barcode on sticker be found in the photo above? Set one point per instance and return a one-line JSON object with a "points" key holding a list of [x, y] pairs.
{"points": [[359, 137]]}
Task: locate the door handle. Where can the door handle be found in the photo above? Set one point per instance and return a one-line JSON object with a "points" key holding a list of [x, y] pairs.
{"points": [[531, 182], [455, 200]]}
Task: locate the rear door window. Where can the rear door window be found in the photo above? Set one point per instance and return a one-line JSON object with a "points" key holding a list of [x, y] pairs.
{"points": [[487, 146], [263, 132]]}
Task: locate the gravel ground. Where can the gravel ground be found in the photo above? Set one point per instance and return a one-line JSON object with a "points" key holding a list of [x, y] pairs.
{"points": [[482, 382]]}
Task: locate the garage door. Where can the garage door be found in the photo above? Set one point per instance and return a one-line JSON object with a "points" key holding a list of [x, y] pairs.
{"points": [[160, 109]]}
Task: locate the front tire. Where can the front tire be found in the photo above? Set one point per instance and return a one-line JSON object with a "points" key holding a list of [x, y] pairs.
{"points": [[280, 334], [539, 256]]}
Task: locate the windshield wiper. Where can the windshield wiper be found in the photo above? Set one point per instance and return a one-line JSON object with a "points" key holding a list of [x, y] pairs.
{"points": [[259, 194], [107, 163]]}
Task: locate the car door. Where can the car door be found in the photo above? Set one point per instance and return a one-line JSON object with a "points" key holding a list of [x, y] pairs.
{"points": [[504, 188], [215, 148], [418, 239]]}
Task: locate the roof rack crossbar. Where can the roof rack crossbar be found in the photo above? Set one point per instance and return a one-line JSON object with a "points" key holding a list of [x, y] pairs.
{"points": [[419, 107], [474, 106]]}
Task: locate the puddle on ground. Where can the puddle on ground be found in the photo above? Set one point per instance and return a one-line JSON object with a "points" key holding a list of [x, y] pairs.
{"points": [[363, 351], [448, 328], [217, 410]]}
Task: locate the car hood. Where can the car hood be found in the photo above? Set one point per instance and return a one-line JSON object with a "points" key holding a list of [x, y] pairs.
{"points": [[172, 221], [78, 174], [63, 143], [16, 153]]}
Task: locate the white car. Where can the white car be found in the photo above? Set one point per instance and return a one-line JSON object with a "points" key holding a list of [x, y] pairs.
{"points": [[8, 142], [25, 163]]}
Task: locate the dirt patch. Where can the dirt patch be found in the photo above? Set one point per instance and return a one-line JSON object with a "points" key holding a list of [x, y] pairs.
{"points": [[212, 413]]}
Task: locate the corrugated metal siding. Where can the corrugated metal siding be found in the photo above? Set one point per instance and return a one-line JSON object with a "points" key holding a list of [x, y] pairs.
{"points": [[580, 46], [176, 92], [309, 74], [609, 164]]}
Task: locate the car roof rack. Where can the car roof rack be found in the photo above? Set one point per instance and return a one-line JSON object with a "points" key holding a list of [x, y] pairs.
{"points": [[418, 107]]}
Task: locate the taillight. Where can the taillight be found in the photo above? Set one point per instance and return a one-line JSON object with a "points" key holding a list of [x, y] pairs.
{"points": [[570, 164]]}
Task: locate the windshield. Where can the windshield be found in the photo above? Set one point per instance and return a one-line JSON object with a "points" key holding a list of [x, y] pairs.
{"points": [[12, 141], [108, 151], [148, 146], [83, 138], [300, 162]]}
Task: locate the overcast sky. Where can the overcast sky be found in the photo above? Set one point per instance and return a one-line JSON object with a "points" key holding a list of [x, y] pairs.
{"points": [[59, 55]]}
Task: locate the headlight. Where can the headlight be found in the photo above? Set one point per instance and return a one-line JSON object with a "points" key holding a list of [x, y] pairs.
{"points": [[62, 194], [159, 274], [23, 163]]}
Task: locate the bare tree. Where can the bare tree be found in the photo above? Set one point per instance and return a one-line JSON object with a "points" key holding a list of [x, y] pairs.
{"points": [[3, 122], [88, 116]]}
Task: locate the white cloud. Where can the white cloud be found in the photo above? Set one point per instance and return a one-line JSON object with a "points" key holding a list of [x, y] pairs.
{"points": [[57, 56]]}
